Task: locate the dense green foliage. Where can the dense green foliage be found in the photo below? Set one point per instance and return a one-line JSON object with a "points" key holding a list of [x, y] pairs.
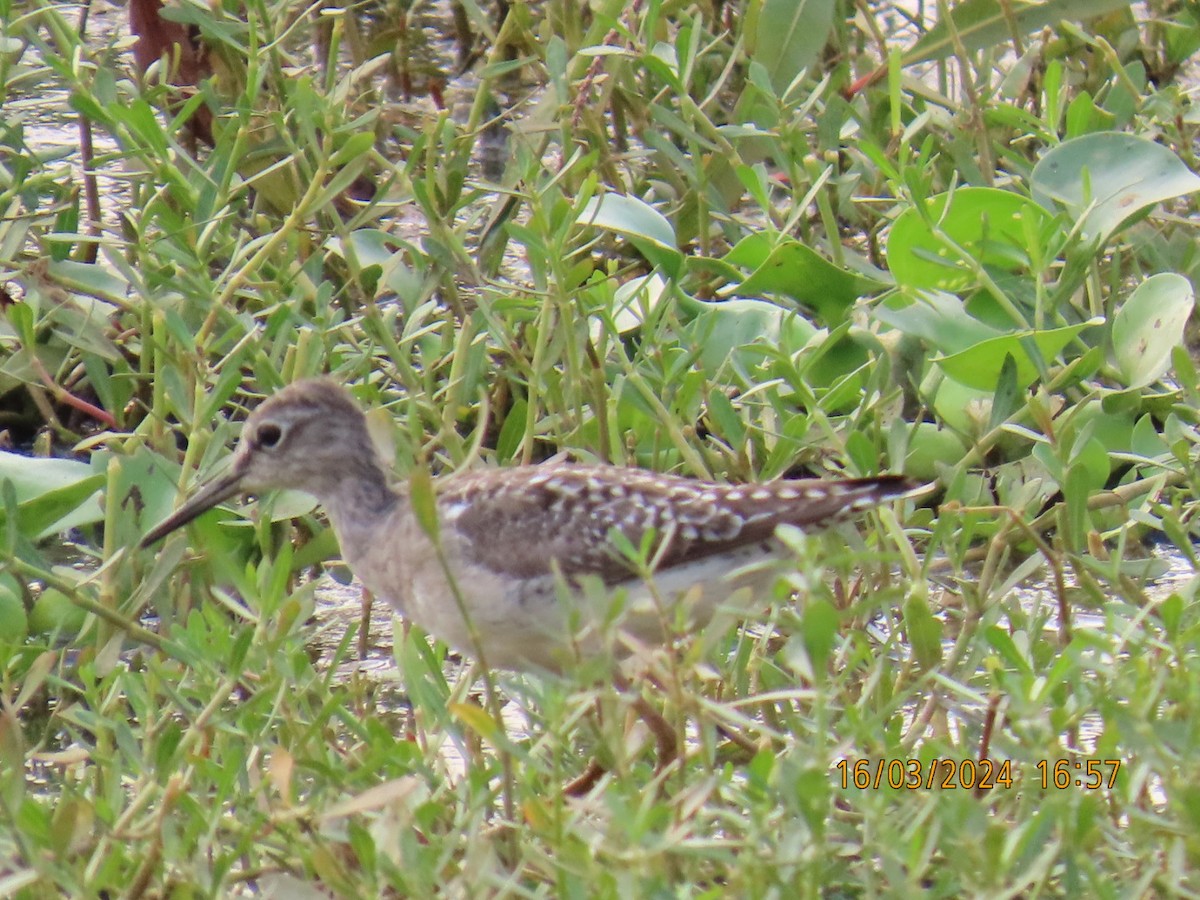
{"points": [[735, 240]]}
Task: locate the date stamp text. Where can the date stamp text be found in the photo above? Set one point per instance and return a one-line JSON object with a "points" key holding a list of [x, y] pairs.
{"points": [[973, 774]]}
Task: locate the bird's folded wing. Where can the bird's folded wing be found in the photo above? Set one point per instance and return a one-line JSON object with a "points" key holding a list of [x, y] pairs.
{"points": [[524, 521]]}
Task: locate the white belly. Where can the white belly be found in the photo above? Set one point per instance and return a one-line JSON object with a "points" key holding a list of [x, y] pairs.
{"points": [[542, 624]]}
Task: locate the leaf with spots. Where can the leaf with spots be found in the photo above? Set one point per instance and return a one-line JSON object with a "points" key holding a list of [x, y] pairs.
{"points": [[1149, 325], [1107, 180]]}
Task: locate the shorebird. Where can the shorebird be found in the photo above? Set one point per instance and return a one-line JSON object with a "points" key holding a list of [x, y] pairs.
{"points": [[490, 577]]}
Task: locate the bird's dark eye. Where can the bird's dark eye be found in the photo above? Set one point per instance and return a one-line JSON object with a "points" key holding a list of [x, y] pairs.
{"points": [[269, 435]]}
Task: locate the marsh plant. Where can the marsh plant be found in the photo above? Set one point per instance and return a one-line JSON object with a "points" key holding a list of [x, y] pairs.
{"points": [[735, 240]]}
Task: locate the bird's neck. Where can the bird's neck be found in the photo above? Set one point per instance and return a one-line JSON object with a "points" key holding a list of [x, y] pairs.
{"points": [[361, 502]]}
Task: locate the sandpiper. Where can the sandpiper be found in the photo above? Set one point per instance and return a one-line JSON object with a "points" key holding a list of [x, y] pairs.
{"points": [[490, 579], [522, 566]]}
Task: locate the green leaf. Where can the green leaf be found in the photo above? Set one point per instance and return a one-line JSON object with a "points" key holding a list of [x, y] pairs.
{"points": [[356, 145], [85, 331], [52, 495], [725, 419], [980, 366], [974, 352], [633, 302], [1092, 457], [93, 279], [930, 449], [1007, 398], [966, 410], [512, 432], [1106, 179], [1145, 441], [938, 318], [924, 630], [646, 227], [819, 625], [751, 251], [798, 272], [1171, 613], [226, 30], [929, 249], [1004, 644], [1149, 325], [424, 501], [788, 37], [985, 23], [338, 184], [370, 246], [1083, 116], [1077, 488], [721, 329]]}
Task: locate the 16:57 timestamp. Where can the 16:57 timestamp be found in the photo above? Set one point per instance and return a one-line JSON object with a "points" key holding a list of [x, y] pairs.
{"points": [[1084, 773], [980, 775]]}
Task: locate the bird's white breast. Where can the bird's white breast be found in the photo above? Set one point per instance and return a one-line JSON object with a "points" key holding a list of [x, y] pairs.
{"points": [[542, 622]]}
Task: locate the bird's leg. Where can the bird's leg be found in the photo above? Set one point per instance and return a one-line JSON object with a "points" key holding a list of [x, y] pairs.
{"points": [[593, 771], [665, 740], [364, 629], [746, 747], [585, 780], [410, 728]]}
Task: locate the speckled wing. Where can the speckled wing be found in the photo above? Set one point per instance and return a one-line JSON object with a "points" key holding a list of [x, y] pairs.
{"points": [[521, 521]]}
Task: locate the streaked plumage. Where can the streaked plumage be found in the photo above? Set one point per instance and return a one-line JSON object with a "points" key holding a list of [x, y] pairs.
{"points": [[509, 535]]}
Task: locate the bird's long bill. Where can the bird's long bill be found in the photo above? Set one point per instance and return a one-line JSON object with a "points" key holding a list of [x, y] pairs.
{"points": [[209, 495]]}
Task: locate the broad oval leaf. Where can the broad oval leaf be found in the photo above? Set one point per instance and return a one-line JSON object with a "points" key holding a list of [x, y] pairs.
{"points": [[788, 37], [721, 329], [1149, 325], [1108, 178], [635, 300], [53, 495], [979, 366], [798, 272], [991, 226], [931, 449], [646, 227], [34, 476], [938, 318]]}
